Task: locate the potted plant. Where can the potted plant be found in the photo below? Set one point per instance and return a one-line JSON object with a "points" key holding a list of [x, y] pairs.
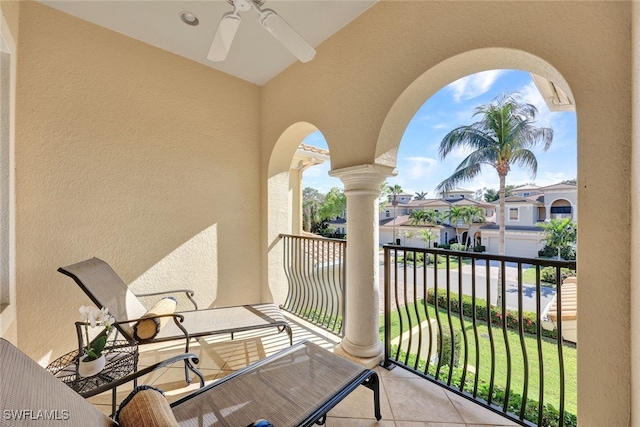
{"points": [[92, 361]]}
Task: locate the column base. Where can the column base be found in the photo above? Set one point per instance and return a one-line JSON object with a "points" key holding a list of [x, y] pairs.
{"points": [[369, 357]]}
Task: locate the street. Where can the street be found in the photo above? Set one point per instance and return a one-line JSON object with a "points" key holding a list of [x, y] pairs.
{"points": [[415, 278]]}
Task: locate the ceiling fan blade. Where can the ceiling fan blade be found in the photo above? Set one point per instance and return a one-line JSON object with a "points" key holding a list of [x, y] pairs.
{"points": [[285, 34], [224, 37]]}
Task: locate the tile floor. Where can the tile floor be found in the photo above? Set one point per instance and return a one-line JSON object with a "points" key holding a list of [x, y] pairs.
{"points": [[406, 400]]}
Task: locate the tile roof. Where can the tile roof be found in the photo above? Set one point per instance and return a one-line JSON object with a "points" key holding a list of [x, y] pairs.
{"points": [[312, 149]]}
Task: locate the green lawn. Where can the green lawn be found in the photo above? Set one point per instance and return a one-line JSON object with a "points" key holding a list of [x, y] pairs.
{"points": [[483, 368]]}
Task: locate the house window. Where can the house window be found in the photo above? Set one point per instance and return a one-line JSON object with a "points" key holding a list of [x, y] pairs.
{"points": [[560, 212], [526, 194], [513, 214], [387, 214]]}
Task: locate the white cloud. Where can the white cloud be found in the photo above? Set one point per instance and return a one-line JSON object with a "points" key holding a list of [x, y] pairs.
{"points": [[550, 178], [474, 85], [531, 95], [419, 167]]}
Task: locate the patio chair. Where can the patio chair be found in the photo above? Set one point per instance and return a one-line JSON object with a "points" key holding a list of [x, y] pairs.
{"points": [[106, 289], [294, 387]]}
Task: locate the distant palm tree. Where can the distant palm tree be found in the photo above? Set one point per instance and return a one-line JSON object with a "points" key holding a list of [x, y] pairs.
{"points": [[392, 192], [420, 195], [471, 215], [427, 236], [417, 217], [559, 233], [455, 214], [430, 218], [408, 235], [503, 137]]}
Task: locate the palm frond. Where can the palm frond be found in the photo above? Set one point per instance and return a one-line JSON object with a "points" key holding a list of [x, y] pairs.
{"points": [[463, 136], [459, 176], [527, 160]]}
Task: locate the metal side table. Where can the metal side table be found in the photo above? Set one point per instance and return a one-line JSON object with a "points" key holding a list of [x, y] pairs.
{"points": [[121, 357]]}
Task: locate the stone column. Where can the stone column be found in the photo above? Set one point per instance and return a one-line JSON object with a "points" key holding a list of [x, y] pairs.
{"points": [[362, 189]]}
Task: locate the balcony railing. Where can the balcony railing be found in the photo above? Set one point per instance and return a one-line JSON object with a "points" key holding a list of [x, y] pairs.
{"points": [[441, 322], [315, 270]]}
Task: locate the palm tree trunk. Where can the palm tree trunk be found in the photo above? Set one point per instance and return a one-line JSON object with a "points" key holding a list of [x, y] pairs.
{"points": [[501, 224]]}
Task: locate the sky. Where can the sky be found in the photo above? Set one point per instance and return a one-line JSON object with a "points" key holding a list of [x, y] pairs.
{"points": [[419, 166]]}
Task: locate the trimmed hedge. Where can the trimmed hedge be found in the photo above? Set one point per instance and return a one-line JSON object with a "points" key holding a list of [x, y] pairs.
{"points": [[446, 346], [528, 318], [548, 274]]}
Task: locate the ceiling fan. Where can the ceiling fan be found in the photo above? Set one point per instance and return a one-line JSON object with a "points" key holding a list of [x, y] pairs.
{"points": [[269, 19]]}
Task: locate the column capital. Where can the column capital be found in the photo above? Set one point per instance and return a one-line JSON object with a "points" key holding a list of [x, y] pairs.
{"points": [[365, 178]]}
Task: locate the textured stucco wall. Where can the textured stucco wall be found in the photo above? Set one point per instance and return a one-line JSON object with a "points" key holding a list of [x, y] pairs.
{"points": [[133, 155], [368, 80], [11, 11], [8, 301], [635, 217]]}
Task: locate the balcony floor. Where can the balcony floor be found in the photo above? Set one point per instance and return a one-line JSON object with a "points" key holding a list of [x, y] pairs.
{"points": [[406, 400]]}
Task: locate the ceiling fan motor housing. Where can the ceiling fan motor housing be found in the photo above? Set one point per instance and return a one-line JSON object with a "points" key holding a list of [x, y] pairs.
{"points": [[244, 5]]}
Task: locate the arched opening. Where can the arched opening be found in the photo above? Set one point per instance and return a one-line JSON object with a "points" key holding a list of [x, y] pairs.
{"points": [[526, 205], [560, 209], [284, 201]]}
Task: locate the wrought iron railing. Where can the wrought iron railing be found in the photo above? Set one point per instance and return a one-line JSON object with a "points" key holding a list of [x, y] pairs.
{"points": [[442, 323], [315, 270]]}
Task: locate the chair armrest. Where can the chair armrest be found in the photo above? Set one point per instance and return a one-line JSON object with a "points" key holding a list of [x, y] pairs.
{"points": [[189, 357], [177, 318], [188, 292]]}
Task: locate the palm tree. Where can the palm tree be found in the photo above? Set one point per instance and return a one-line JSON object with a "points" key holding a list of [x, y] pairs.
{"points": [[390, 192], [408, 235], [416, 217], [471, 215], [427, 236], [559, 233], [456, 214], [420, 195], [502, 138]]}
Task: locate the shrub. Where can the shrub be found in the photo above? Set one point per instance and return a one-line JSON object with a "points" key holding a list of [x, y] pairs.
{"points": [[479, 248], [409, 257], [548, 274], [444, 246], [512, 320], [458, 247], [449, 347], [568, 253]]}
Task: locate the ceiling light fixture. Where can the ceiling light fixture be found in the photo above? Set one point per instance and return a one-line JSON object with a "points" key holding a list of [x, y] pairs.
{"points": [[189, 18]]}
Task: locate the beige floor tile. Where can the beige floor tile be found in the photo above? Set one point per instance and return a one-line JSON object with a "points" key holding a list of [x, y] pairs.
{"points": [[476, 414], [359, 404], [419, 400], [355, 422], [425, 424], [396, 372]]}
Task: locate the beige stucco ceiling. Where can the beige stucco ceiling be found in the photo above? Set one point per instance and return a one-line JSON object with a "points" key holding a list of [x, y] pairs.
{"points": [[255, 55]]}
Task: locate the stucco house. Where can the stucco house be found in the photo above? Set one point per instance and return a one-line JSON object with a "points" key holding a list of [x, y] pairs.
{"points": [[138, 153], [527, 206], [444, 232]]}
